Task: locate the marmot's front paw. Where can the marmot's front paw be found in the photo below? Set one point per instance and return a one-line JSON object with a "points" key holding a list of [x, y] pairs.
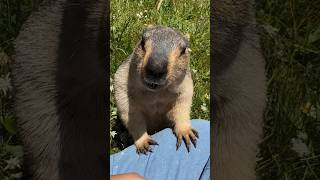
{"points": [[143, 144], [187, 133]]}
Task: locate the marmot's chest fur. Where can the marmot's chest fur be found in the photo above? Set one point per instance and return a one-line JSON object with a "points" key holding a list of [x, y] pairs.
{"points": [[155, 106]]}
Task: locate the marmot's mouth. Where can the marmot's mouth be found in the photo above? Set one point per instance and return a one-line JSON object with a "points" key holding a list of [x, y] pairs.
{"points": [[152, 85]]}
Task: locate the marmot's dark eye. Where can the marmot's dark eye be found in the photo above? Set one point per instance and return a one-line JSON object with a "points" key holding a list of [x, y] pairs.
{"points": [[183, 51]]}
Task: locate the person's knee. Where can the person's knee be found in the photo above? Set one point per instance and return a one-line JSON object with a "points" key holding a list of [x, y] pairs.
{"points": [[127, 176], [135, 176]]}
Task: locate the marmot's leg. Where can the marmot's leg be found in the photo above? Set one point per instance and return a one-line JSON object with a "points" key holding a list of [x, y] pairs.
{"points": [[180, 115], [137, 127]]}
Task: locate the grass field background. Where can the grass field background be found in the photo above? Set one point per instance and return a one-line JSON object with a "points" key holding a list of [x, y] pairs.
{"points": [[290, 39], [128, 18]]}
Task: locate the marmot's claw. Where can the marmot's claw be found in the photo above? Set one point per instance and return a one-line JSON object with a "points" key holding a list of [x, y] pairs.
{"points": [[179, 140], [194, 142], [195, 132], [153, 142], [145, 147], [144, 150], [194, 135], [188, 137]]}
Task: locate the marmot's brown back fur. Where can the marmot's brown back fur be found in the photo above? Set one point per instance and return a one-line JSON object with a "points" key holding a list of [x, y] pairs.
{"points": [[60, 81], [238, 94], [154, 88]]}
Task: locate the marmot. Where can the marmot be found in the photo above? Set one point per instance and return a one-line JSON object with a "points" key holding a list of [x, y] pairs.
{"points": [[154, 88], [238, 90], [60, 81]]}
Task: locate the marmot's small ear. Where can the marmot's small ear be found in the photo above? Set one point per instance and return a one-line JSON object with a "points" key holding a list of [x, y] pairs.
{"points": [[145, 33], [149, 25]]}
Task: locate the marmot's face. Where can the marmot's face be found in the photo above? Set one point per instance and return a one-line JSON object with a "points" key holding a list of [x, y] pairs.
{"points": [[163, 57]]}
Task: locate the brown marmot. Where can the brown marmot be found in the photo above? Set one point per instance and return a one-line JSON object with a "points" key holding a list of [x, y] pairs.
{"points": [[154, 88]]}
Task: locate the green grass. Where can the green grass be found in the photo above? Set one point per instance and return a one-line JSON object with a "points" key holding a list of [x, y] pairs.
{"points": [[128, 18], [290, 39]]}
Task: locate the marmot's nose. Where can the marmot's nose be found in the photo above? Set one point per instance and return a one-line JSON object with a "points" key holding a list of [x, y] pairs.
{"points": [[156, 68]]}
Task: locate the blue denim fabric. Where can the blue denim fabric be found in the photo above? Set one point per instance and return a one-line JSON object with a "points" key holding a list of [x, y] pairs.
{"points": [[165, 163]]}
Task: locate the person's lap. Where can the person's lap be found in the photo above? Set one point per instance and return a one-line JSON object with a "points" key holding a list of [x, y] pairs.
{"points": [[165, 162]]}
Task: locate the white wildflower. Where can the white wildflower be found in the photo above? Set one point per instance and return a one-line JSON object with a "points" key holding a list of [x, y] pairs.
{"points": [[113, 134], [140, 15], [207, 96], [204, 107], [111, 88]]}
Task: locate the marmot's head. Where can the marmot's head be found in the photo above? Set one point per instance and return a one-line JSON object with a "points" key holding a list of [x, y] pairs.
{"points": [[163, 57]]}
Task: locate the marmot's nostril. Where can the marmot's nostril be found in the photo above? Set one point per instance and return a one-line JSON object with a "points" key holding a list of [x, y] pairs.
{"points": [[156, 70], [155, 74]]}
